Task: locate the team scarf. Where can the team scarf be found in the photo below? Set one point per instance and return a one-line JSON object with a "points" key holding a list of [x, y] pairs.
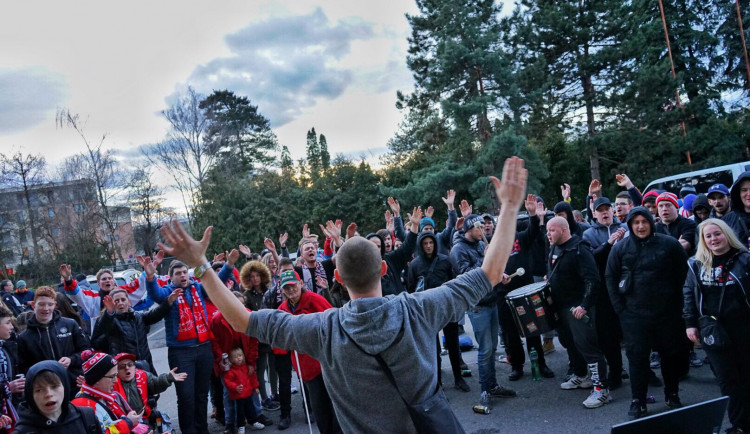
{"points": [[114, 403], [193, 322], [141, 383], [6, 405], [321, 279]]}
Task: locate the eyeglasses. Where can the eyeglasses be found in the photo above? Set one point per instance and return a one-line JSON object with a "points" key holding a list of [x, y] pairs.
{"points": [[125, 366], [111, 377]]}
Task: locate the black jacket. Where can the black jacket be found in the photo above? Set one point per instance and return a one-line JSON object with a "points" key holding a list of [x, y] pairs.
{"points": [[12, 303], [575, 227], [657, 265], [442, 271], [704, 287], [737, 218], [72, 420], [681, 227], [127, 332], [61, 337], [521, 257], [572, 274], [397, 261]]}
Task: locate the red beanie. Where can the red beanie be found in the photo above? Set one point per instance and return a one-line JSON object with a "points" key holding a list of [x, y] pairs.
{"points": [[671, 197]]}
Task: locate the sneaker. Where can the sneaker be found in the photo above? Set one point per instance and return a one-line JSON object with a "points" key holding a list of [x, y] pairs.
{"points": [[515, 374], [484, 399], [637, 410], [548, 346], [569, 374], [294, 390], [462, 385], [577, 382], [241, 430], [655, 360], [597, 398], [673, 401], [285, 422], [502, 358], [695, 361], [270, 405], [256, 426], [266, 421], [501, 392]]}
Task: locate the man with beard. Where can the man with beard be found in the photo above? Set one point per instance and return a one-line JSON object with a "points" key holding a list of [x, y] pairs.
{"points": [[645, 275], [718, 198]]}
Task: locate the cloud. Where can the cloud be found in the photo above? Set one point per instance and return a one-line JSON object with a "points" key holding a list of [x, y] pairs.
{"points": [[285, 64], [29, 97]]}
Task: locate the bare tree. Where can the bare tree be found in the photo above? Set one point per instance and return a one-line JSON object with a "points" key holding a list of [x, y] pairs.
{"points": [[148, 210], [100, 166], [185, 153], [24, 172]]}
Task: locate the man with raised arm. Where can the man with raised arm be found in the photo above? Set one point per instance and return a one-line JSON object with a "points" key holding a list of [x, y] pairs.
{"points": [[398, 328]]}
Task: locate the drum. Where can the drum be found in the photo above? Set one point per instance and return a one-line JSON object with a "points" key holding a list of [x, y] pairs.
{"points": [[532, 308]]}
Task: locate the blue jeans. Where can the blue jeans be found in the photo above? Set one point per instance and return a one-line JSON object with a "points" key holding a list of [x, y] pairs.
{"points": [[485, 322], [230, 416], [192, 394]]}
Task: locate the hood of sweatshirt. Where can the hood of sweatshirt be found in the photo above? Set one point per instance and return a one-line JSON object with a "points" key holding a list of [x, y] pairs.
{"points": [[734, 193]]}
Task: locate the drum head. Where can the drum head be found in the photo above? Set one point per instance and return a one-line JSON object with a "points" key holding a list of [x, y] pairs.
{"points": [[526, 290]]}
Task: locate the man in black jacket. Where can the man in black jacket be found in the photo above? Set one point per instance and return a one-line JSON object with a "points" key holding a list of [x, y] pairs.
{"points": [[122, 330], [431, 269], [397, 260], [574, 282], [49, 336], [739, 217], [673, 224], [645, 275]]}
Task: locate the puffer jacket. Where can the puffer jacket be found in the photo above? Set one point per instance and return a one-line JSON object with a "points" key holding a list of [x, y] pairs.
{"points": [[657, 265], [737, 218], [61, 337]]}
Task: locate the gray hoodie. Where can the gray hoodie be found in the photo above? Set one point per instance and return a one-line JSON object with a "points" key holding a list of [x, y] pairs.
{"points": [[401, 328]]}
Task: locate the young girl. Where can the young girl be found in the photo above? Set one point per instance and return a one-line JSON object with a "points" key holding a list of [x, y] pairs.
{"points": [[241, 383]]}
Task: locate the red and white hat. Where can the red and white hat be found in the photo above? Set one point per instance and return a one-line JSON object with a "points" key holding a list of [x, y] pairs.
{"points": [[96, 366]]}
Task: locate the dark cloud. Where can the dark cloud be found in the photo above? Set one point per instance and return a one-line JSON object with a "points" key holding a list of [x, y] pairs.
{"points": [[29, 97], [284, 64]]}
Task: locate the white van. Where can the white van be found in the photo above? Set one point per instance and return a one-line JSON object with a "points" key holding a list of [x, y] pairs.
{"points": [[700, 179]]}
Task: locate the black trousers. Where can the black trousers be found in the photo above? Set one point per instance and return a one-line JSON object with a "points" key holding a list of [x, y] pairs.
{"points": [[512, 338], [325, 416], [245, 411], [217, 396], [732, 369], [609, 332], [665, 336], [583, 336], [283, 364], [450, 331]]}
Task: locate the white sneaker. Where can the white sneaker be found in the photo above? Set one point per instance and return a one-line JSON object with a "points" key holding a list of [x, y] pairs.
{"points": [[597, 398], [577, 382], [241, 430], [256, 426]]}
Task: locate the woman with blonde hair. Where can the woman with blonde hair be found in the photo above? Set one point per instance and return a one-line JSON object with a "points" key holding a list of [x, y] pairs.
{"points": [[716, 296]]}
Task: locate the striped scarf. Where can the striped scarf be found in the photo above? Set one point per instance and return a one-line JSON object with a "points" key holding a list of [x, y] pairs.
{"points": [[193, 322]]}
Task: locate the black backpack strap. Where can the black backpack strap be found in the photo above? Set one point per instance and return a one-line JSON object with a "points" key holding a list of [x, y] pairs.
{"points": [[92, 424]]}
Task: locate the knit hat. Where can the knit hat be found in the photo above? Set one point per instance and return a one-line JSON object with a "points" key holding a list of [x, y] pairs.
{"points": [[470, 220], [687, 202], [287, 277], [687, 189], [426, 221], [20, 284], [670, 197], [650, 196], [96, 366]]}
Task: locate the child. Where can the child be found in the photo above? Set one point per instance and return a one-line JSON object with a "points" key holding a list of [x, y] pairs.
{"points": [[47, 408], [241, 382], [137, 385]]}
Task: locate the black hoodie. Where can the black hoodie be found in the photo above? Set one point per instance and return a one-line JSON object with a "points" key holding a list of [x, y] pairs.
{"points": [[657, 265], [435, 269], [737, 218], [575, 227], [396, 260], [72, 420]]}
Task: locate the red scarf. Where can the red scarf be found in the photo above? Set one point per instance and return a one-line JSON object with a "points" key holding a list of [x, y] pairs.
{"points": [[114, 402], [193, 322], [141, 383]]}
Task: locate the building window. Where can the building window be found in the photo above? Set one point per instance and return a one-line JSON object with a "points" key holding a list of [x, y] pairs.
{"points": [[51, 212]]}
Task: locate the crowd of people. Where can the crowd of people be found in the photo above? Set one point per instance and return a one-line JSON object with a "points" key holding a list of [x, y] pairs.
{"points": [[617, 276]]}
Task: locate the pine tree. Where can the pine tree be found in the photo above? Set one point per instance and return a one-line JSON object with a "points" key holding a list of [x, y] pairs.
{"points": [[325, 157], [313, 153]]}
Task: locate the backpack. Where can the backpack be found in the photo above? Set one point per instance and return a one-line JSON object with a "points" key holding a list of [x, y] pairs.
{"points": [[92, 424]]}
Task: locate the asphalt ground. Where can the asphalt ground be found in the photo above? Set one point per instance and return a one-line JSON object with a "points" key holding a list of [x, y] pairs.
{"points": [[540, 407]]}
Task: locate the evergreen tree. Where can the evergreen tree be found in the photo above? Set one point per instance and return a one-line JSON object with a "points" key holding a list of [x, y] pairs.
{"points": [[325, 157]]}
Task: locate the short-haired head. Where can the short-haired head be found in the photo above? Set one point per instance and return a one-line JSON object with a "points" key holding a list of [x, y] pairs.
{"points": [[102, 272], [359, 265], [174, 265], [44, 291], [560, 222]]}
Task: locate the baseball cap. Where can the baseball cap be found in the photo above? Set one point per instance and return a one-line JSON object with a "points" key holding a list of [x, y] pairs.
{"points": [[601, 201], [718, 188], [288, 277]]}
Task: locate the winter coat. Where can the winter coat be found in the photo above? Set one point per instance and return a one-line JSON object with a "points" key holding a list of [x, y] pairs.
{"points": [[239, 375], [572, 275], [396, 260], [309, 302], [12, 303], [576, 228], [467, 255], [127, 332], [681, 227], [657, 265], [225, 338], [737, 218], [421, 265], [521, 257], [61, 337], [143, 385], [72, 420]]}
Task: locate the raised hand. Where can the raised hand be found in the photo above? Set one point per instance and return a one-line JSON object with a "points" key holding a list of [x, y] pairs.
{"points": [[415, 216], [511, 189], [305, 231], [449, 199], [179, 244], [173, 296], [465, 208], [269, 244], [148, 265], [283, 239], [232, 257], [565, 191], [65, 272], [459, 223], [395, 206], [325, 231], [595, 187], [623, 180], [334, 229], [108, 303], [158, 257], [219, 257], [390, 224], [540, 209], [428, 212], [245, 250], [531, 205], [351, 230]]}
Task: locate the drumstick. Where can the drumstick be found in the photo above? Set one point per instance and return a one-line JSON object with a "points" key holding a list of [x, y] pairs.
{"points": [[519, 272], [478, 225]]}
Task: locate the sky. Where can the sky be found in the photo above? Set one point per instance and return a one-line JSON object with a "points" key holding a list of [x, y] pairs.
{"points": [[333, 65]]}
